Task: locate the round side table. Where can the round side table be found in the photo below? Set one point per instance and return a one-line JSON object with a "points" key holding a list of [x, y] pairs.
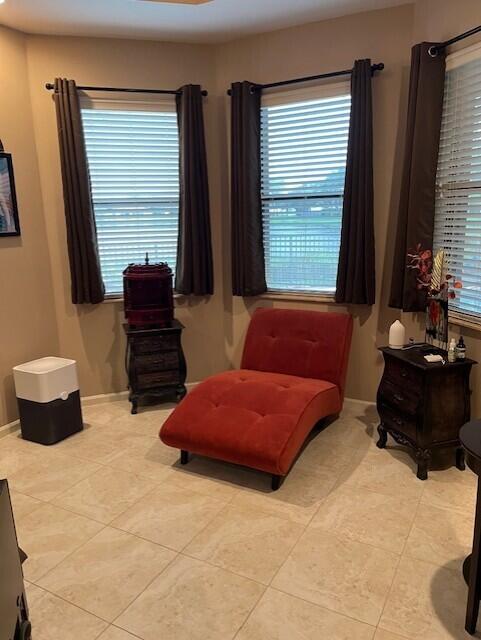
{"points": [[470, 437]]}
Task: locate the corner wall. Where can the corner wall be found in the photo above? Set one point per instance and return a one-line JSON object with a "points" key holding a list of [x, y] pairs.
{"points": [[93, 335], [28, 326], [384, 36]]}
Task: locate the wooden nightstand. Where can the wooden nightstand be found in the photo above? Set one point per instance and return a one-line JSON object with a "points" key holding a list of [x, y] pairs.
{"points": [[422, 405], [155, 364]]}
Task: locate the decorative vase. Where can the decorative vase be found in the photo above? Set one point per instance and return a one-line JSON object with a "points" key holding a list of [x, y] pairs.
{"points": [[397, 335]]}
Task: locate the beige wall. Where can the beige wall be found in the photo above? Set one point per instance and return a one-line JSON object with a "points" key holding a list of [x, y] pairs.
{"points": [[214, 328], [93, 335], [439, 20], [383, 36], [386, 36], [27, 315]]}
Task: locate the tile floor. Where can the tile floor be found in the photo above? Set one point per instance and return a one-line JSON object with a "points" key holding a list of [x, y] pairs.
{"points": [[125, 544]]}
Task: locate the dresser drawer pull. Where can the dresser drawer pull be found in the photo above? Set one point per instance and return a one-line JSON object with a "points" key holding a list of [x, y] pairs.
{"points": [[398, 397], [399, 422], [404, 374]]}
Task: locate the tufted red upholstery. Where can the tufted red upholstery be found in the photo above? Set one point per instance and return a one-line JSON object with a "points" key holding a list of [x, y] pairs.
{"points": [[300, 343], [293, 373]]}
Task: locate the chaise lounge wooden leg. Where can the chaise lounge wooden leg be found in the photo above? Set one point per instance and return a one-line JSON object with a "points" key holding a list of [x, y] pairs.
{"points": [[276, 482], [184, 457]]}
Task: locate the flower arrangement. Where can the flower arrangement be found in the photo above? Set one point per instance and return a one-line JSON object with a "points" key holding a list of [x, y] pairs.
{"points": [[442, 288], [421, 261]]}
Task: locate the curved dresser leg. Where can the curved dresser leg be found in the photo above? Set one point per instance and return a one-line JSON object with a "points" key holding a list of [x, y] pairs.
{"points": [[381, 443]]}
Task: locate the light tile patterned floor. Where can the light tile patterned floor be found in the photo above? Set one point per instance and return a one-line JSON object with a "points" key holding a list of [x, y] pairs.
{"points": [[125, 544]]}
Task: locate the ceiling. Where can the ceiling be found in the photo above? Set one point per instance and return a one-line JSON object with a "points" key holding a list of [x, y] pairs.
{"points": [[214, 21]]}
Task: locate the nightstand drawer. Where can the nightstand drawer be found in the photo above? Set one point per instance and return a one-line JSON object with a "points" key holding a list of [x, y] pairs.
{"points": [[157, 379], [396, 421], [402, 374], [406, 398], [145, 345], [161, 361]]}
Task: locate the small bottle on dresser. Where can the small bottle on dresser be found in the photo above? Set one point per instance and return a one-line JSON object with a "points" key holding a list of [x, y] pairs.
{"points": [[461, 349], [452, 351]]}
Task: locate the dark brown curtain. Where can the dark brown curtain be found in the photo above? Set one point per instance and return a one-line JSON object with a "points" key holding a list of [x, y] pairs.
{"points": [[356, 279], [414, 239], [86, 278], [194, 271], [248, 269]]}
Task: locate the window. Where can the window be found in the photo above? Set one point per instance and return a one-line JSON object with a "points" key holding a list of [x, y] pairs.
{"points": [[458, 199], [133, 157], [304, 139]]}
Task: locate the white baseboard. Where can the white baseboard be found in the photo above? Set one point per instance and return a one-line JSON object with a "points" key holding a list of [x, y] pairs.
{"points": [[11, 427], [105, 397], [118, 396], [366, 403]]}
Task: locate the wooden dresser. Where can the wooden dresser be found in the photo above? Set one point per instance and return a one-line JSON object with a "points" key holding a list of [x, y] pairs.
{"points": [[155, 364], [422, 405]]}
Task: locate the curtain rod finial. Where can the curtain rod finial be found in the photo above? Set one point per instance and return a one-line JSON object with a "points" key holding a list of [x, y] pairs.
{"points": [[49, 86]]}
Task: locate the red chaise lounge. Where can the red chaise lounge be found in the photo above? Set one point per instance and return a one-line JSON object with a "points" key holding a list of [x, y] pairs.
{"points": [[292, 375]]}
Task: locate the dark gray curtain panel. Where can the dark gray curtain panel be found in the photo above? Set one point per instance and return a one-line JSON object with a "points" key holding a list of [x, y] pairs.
{"points": [[414, 239], [86, 278], [194, 271], [248, 268], [356, 278]]}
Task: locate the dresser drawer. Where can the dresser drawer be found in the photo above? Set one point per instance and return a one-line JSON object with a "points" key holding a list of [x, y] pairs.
{"points": [[145, 345], [396, 421], [406, 398], [402, 374], [156, 379], [161, 361]]}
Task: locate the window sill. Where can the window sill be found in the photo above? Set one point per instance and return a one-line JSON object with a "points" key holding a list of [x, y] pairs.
{"points": [[465, 320], [113, 299], [300, 296]]}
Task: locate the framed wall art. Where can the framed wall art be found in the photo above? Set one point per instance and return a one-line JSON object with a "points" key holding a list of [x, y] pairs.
{"points": [[9, 223]]}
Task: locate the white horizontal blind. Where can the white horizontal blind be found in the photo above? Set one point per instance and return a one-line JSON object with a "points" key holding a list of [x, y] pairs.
{"points": [[303, 149], [133, 157], [458, 198]]}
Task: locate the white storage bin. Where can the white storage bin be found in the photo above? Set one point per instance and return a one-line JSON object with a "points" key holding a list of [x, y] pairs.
{"points": [[48, 399], [46, 379]]}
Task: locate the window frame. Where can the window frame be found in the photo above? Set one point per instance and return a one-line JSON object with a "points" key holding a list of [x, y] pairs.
{"points": [[293, 96], [103, 100], [455, 60]]}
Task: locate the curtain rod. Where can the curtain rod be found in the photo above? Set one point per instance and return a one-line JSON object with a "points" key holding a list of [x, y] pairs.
{"points": [[435, 49], [322, 76], [51, 87]]}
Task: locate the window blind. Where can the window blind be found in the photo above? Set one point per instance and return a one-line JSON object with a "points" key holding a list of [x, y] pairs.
{"points": [[133, 158], [458, 198], [303, 154]]}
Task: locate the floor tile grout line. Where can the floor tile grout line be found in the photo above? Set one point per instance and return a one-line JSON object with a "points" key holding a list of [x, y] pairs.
{"points": [[253, 608], [301, 534], [114, 626], [320, 606], [222, 568], [401, 556], [323, 606], [109, 622], [36, 581], [72, 604], [114, 621]]}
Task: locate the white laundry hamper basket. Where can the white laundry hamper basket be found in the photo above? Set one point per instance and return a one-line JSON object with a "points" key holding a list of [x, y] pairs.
{"points": [[48, 399]]}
